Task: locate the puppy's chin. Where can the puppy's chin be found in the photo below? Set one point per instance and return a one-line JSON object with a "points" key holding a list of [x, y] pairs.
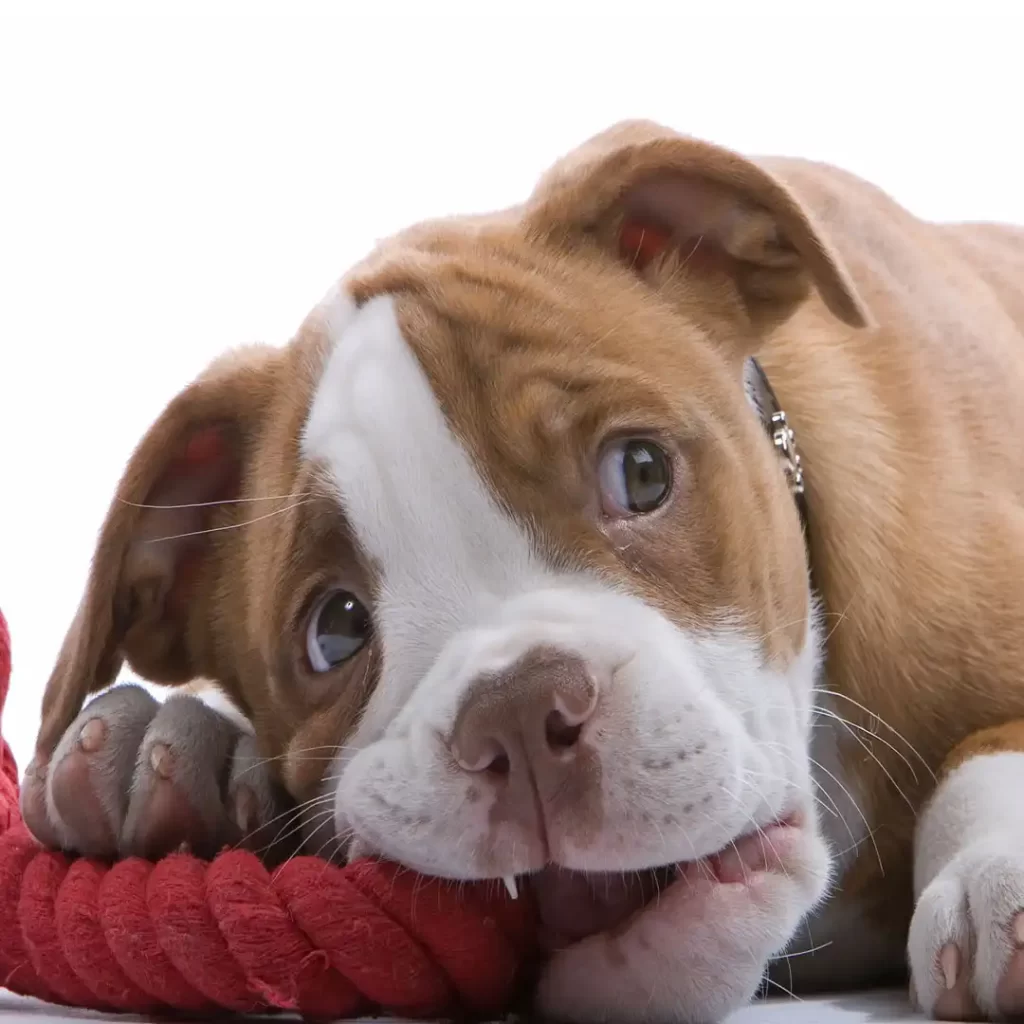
{"points": [[696, 934]]}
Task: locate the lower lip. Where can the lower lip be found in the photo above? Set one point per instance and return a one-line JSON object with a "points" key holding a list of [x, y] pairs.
{"points": [[729, 866]]}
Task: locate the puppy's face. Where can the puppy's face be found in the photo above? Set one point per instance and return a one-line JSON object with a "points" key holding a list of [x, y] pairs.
{"points": [[582, 589], [504, 537]]}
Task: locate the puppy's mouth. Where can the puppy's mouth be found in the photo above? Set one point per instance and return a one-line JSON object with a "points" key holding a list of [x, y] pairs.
{"points": [[574, 905]]}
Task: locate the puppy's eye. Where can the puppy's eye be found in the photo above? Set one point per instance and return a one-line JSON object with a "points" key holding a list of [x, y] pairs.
{"points": [[338, 627], [635, 476]]}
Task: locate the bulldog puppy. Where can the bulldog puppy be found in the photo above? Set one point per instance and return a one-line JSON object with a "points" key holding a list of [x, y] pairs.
{"points": [[657, 545]]}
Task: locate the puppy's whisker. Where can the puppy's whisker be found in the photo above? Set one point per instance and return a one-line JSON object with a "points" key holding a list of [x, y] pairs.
{"points": [[254, 765], [803, 952], [303, 754], [881, 721], [857, 844], [326, 821], [857, 808], [831, 808], [222, 501], [782, 988], [226, 526], [332, 840], [736, 798], [849, 796], [319, 746], [885, 771], [324, 817], [289, 813], [852, 728], [782, 627]]}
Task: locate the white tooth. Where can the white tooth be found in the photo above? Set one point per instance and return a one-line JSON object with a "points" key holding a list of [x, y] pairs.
{"points": [[510, 884]]}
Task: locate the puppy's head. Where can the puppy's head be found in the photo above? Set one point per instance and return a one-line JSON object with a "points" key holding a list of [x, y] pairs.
{"points": [[501, 529]]}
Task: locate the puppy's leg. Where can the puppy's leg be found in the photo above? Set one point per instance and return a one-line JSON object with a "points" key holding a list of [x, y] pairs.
{"points": [[132, 776], [966, 942]]}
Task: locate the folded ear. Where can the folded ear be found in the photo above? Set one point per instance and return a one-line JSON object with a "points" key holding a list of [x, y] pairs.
{"points": [[144, 602], [680, 210]]}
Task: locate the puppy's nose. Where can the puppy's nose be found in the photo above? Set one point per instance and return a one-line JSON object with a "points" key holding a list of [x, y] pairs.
{"points": [[527, 717]]}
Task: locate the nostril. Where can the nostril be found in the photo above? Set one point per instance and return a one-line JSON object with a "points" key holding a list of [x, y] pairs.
{"points": [[560, 733], [482, 755]]}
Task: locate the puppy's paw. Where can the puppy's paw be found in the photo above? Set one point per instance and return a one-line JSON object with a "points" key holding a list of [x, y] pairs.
{"points": [[700, 950], [966, 941], [133, 777]]}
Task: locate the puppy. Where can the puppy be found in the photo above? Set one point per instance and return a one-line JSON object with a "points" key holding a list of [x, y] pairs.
{"points": [[656, 544]]}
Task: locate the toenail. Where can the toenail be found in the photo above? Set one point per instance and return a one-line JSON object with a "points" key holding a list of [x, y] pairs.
{"points": [[1018, 929], [92, 735], [245, 809], [949, 963], [161, 760]]}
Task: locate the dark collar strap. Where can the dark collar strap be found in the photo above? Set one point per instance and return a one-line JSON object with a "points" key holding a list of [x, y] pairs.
{"points": [[762, 397]]}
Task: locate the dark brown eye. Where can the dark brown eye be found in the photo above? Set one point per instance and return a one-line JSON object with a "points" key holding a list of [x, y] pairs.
{"points": [[636, 477], [338, 627]]}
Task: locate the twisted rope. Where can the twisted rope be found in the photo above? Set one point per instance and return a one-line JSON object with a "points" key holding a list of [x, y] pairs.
{"points": [[201, 936], [8, 769]]}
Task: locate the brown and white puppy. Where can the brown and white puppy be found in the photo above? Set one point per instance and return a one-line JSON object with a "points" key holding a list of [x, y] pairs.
{"points": [[508, 581]]}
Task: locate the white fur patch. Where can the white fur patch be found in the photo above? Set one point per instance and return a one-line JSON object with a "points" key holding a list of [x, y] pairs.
{"points": [[976, 801], [217, 700], [414, 500], [334, 312]]}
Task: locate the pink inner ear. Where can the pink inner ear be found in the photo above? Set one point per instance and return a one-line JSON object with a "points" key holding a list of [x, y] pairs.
{"points": [[205, 446], [640, 242], [205, 471]]}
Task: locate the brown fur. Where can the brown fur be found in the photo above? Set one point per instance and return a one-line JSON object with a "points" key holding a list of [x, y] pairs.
{"points": [[534, 334], [998, 739], [915, 481]]}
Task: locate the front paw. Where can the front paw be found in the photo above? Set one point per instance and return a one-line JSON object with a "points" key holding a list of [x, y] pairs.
{"points": [[135, 777], [700, 950], [966, 941]]}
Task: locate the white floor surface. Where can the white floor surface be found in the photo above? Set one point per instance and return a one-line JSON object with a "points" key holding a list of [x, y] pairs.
{"points": [[863, 1008]]}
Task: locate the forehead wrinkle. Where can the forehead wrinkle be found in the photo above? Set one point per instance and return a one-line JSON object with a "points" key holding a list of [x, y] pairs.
{"points": [[476, 303], [534, 411], [498, 337]]}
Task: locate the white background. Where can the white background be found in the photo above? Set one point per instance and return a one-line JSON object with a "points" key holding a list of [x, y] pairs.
{"points": [[172, 187]]}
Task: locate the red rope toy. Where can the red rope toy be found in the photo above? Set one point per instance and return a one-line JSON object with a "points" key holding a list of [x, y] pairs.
{"points": [[227, 935]]}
